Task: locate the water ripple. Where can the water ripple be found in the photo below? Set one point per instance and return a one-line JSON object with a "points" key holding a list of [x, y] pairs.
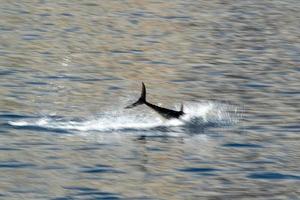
{"points": [[100, 169], [12, 164], [81, 192], [272, 175]]}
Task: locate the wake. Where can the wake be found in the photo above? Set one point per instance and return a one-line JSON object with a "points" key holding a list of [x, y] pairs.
{"points": [[197, 116]]}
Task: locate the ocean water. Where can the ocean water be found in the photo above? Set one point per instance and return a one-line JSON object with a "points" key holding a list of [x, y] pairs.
{"points": [[68, 69]]}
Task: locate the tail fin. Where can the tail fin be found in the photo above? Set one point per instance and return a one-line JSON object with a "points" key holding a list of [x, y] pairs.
{"points": [[141, 100]]}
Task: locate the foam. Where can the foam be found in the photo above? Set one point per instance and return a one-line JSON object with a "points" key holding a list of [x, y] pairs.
{"points": [[204, 112]]}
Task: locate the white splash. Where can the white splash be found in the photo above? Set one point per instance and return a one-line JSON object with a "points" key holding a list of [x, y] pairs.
{"points": [[206, 112]]}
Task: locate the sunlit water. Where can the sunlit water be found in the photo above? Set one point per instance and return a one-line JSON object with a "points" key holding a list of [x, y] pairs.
{"points": [[68, 69]]}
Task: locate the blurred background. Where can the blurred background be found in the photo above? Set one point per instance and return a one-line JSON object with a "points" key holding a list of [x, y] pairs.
{"points": [[68, 68]]}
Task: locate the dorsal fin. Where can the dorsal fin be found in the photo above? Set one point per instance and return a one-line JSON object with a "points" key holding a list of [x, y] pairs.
{"points": [[181, 107], [141, 100], [143, 95]]}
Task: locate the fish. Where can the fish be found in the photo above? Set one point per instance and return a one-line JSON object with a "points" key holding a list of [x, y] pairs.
{"points": [[164, 112]]}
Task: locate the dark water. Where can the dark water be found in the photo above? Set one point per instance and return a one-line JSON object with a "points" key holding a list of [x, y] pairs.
{"points": [[68, 68]]}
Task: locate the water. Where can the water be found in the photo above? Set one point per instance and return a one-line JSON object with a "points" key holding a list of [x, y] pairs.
{"points": [[69, 68]]}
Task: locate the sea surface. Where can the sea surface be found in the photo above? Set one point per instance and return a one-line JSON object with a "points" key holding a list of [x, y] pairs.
{"points": [[68, 69]]}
